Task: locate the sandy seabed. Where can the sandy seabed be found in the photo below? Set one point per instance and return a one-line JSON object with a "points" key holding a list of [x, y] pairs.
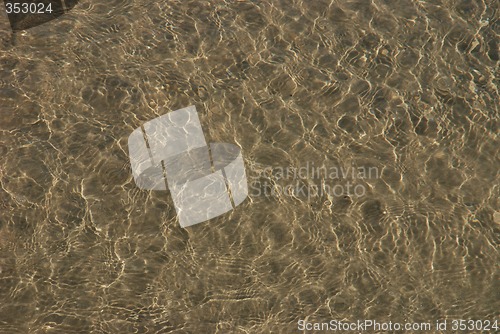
{"points": [[407, 87]]}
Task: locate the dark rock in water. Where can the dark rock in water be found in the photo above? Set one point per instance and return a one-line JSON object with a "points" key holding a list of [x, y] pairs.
{"points": [[70, 4]]}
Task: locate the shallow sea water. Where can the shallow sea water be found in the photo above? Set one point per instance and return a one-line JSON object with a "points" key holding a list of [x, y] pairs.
{"points": [[407, 87]]}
